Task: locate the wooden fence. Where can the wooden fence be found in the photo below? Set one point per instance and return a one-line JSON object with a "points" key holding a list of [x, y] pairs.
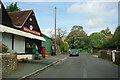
{"points": [[107, 54]]}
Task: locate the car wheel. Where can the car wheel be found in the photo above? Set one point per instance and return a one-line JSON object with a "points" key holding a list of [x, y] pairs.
{"points": [[77, 54]]}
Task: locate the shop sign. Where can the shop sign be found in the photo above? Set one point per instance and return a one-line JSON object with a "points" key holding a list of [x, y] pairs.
{"points": [[31, 31]]}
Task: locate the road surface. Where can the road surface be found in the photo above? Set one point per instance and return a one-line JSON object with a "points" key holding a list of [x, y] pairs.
{"points": [[83, 66]]}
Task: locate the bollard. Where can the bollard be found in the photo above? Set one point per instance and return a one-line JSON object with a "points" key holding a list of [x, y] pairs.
{"points": [[113, 55]]}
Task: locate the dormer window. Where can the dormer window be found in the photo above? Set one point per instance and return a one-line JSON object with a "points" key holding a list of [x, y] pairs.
{"points": [[30, 19]]}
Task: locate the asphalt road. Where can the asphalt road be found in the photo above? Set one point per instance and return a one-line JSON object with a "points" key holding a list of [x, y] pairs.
{"points": [[84, 66]]}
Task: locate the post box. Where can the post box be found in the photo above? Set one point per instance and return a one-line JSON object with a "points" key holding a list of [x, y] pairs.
{"points": [[43, 51]]}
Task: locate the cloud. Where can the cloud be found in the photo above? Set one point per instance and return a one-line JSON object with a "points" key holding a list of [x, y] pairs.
{"points": [[95, 12], [48, 32], [59, 0], [90, 33], [98, 22], [94, 9]]}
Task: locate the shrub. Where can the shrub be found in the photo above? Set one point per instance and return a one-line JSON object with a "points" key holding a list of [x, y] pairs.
{"points": [[80, 49], [4, 48]]}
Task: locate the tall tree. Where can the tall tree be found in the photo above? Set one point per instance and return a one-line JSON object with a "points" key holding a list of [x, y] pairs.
{"points": [[114, 42], [107, 32], [77, 28], [64, 46], [13, 7], [77, 37], [59, 37], [96, 40], [116, 37]]}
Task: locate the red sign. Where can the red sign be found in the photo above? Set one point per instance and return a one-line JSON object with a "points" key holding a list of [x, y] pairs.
{"points": [[31, 31]]}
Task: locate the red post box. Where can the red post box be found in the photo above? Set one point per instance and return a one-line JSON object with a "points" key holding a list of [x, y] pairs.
{"points": [[43, 51]]}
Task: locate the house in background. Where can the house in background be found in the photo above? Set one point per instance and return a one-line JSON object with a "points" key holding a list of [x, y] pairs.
{"points": [[48, 44], [108, 37]]}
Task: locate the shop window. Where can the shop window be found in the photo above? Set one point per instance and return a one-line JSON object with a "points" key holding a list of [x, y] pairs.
{"points": [[27, 45]]}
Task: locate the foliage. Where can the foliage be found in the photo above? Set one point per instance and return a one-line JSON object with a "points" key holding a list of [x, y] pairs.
{"points": [[80, 49], [109, 44], [116, 37], [13, 8], [96, 54], [77, 38], [77, 28], [114, 42], [96, 40], [117, 63], [4, 48], [64, 47], [65, 53], [60, 35], [83, 50], [107, 32]]}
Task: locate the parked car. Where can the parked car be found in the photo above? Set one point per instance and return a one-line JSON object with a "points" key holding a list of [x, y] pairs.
{"points": [[74, 52]]}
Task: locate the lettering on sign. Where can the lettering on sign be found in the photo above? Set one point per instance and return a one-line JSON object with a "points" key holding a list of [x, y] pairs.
{"points": [[31, 31]]}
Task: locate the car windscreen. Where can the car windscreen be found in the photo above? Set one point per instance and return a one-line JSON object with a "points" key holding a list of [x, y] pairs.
{"points": [[74, 50]]}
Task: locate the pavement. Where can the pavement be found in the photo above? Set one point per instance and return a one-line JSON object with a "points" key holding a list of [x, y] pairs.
{"points": [[29, 68], [83, 66]]}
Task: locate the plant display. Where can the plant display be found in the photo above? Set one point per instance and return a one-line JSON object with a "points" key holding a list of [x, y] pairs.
{"points": [[22, 60], [4, 48]]}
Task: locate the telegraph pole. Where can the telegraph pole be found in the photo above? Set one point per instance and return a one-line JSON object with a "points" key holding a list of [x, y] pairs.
{"points": [[55, 30]]}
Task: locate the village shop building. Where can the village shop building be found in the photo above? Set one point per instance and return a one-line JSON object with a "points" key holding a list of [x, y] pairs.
{"points": [[20, 31]]}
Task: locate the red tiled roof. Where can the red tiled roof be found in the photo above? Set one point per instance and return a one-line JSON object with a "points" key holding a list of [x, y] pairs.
{"points": [[19, 17], [108, 37]]}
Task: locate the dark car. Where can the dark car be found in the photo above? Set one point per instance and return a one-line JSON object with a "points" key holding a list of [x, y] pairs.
{"points": [[74, 52]]}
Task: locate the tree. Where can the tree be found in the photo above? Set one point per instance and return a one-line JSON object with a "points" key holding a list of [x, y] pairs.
{"points": [[109, 44], [114, 42], [77, 28], [116, 37], [59, 37], [77, 37], [107, 32], [96, 40], [64, 47], [13, 8]]}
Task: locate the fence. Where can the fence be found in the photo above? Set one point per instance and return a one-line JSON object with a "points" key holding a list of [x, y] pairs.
{"points": [[107, 54], [117, 56], [9, 62]]}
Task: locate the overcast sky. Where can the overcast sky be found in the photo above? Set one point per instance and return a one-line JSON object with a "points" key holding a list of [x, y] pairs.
{"points": [[92, 15]]}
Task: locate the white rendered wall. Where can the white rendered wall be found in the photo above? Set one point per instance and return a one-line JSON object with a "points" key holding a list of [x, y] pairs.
{"points": [[0, 36], [29, 56], [7, 40], [19, 44]]}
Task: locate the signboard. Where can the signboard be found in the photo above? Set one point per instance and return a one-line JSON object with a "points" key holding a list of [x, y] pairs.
{"points": [[31, 31]]}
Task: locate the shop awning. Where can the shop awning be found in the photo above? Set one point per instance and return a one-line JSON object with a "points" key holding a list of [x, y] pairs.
{"points": [[20, 33]]}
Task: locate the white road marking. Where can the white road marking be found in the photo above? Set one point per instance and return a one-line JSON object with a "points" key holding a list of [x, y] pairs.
{"points": [[84, 73]]}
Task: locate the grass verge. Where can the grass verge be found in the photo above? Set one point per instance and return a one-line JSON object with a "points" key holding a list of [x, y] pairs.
{"points": [[65, 53], [117, 63], [95, 54]]}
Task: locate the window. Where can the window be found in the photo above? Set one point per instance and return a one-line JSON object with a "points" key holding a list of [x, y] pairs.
{"points": [[27, 45], [30, 19]]}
